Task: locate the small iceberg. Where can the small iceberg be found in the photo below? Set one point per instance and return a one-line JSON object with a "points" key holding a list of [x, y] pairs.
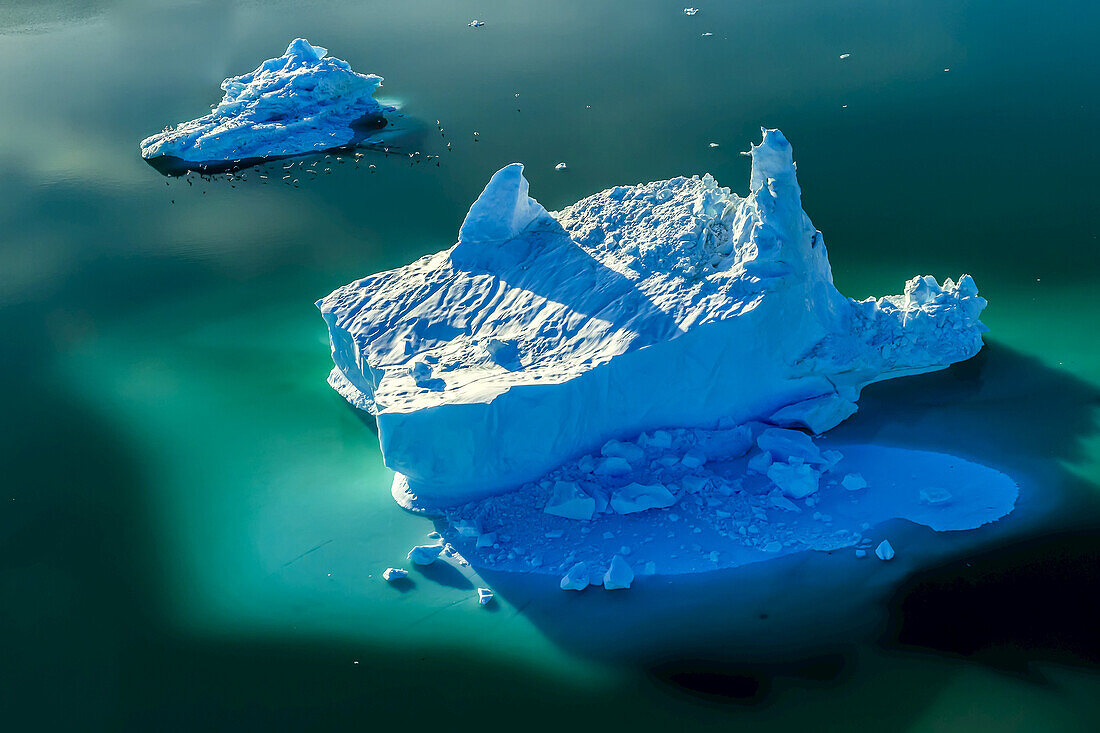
{"points": [[301, 102]]}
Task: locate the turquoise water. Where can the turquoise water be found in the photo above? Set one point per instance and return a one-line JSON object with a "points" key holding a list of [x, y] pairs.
{"points": [[194, 523]]}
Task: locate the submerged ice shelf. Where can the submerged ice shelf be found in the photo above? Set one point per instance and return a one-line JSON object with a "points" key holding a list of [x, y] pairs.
{"points": [[301, 102], [539, 337]]}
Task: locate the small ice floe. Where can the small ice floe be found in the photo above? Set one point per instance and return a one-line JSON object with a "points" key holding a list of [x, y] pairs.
{"points": [[618, 575], [861, 553], [845, 55], [392, 574], [691, 11], [577, 577], [466, 528], [484, 596], [475, 23], [885, 551], [704, 35], [712, 145], [947, 69], [560, 167], [425, 554], [854, 482]]}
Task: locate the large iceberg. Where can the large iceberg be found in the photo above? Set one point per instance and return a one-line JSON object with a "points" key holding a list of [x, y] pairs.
{"points": [[298, 103], [539, 336]]}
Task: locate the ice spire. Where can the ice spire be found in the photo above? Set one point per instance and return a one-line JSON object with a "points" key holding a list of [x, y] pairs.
{"points": [[502, 211]]}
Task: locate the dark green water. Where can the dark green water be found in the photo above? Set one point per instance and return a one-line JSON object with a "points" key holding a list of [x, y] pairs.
{"points": [[193, 524]]}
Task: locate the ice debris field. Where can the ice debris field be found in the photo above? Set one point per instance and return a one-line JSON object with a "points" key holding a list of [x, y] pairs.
{"points": [[300, 102], [629, 386]]}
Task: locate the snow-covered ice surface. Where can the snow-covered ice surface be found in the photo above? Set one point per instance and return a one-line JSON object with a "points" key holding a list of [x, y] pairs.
{"points": [[539, 337], [301, 102]]}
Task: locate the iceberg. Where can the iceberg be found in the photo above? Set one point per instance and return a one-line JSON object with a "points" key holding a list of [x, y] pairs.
{"points": [[668, 304], [300, 102]]}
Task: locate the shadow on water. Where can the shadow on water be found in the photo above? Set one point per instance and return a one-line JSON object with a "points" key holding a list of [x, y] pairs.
{"points": [[1023, 590]]}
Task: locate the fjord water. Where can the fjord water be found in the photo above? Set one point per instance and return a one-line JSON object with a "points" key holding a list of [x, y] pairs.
{"points": [[194, 524]]}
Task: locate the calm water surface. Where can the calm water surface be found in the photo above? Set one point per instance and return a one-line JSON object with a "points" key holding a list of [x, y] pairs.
{"points": [[194, 524]]}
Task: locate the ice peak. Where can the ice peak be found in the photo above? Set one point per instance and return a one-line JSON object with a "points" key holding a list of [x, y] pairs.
{"points": [[305, 51], [502, 211], [772, 159]]}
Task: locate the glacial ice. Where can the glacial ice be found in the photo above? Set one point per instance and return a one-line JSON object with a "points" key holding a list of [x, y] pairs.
{"points": [[668, 304], [300, 102]]}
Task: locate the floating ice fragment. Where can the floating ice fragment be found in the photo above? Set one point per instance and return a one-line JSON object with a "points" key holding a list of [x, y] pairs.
{"points": [[796, 481], [853, 482], [567, 500], [885, 551], [712, 145], [935, 496], [560, 167], [612, 466], [487, 539], [466, 528], [773, 546], [576, 578], [484, 596], [619, 574], [425, 554], [861, 553], [760, 462], [629, 452], [845, 55], [635, 497], [475, 23], [392, 574], [691, 11], [784, 444]]}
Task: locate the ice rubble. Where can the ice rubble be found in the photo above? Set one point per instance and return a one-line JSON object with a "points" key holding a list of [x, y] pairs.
{"points": [[539, 337], [298, 103]]}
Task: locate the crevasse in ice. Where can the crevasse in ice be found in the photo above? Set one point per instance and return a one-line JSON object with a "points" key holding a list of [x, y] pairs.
{"points": [[540, 336]]}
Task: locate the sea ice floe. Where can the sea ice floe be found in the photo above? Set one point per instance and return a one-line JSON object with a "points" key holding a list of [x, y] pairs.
{"points": [[392, 574], [674, 303], [300, 102], [885, 551], [484, 596], [425, 554]]}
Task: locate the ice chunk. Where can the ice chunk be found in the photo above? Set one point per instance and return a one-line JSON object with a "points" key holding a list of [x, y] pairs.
{"points": [[576, 578], [466, 528], [425, 554], [761, 462], [726, 302], [796, 481], [629, 452], [612, 466], [567, 500], [635, 497], [853, 482], [298, 103], [817, 414], [785, 444], [392, 574], [619, 574], [691, 11], [693, 458], [488, 539], [484, 596], [885, 551]]}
